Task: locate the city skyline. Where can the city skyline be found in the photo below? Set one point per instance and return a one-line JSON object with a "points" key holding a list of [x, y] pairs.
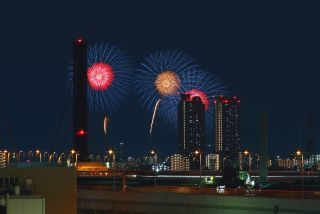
{"points": [[270, 68], [159, 107]]}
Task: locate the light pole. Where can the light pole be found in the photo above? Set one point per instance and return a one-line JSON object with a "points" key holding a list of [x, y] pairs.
{"points": [[246, 152], [155, 157], [39, 153], [19, 155], [46, 154], [51, 156], [299, 153], [111, 152], [61, 158], [198, 152], [73, 152], [30, 155]]}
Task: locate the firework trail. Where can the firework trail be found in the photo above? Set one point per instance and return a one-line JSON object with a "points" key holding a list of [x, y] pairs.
{"points": [[159, 78], [153, 115], [109, 77], [105, 125]]}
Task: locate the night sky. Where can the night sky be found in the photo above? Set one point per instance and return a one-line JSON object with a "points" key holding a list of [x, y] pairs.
{"points": [[268, 54]]}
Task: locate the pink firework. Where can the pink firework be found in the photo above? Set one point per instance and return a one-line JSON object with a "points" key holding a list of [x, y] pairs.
{"points": [[100, 76], [197, 93]]}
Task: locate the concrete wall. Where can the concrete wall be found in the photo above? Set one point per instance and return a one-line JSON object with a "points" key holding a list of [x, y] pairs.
{"points": [[102, 201], [26, 204], [57, 184]]}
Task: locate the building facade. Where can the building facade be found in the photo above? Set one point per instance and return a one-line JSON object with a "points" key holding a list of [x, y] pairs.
{"points": [[191, 129], [3, 159], [249, 162], [179, 163], [227, 130], [212, 162]]}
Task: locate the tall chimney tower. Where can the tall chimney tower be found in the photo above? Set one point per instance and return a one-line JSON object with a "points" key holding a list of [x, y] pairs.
{"points": [[263, 172], [311, 142], [80, 111]]}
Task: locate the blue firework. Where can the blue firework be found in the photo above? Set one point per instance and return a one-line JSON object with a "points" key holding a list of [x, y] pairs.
{"points": [[109, 77], [199, 83], [159, 77]]}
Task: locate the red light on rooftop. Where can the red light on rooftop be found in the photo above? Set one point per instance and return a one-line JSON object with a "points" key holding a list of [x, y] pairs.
{"points": [[81, 132], [80, 40]]}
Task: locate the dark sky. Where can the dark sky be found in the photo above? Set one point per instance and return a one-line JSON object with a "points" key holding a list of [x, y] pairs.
{"points": [[268, 54]]}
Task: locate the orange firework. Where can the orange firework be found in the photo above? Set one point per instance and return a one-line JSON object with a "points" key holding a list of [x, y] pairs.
{"points": [[167, 83]]}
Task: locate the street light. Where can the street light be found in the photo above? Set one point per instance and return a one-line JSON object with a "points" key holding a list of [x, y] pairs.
{"points": [[247, 153], [39, 153], [30, 155], [111, 152], [19, 155], [155, 157], [46, 155], [50, 158], [61, 158], [198, 152], [299, 153], [72, 153]]}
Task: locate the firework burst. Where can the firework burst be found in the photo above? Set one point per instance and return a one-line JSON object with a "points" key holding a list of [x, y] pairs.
{"points": [[100, 76], [159, 78], [198, 93], [196, 83], [109, 77], [167, 83]]}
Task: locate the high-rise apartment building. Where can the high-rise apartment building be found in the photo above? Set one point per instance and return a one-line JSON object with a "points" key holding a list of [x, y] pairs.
{"points": [[227, 130], [191, 128]]}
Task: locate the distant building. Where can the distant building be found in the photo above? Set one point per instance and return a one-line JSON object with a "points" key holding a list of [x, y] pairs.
{"points": [[161, 167], [227, 130], [191, 129], [254, 161], [3, 159], [121, 152], [212, 162], [176, 162], [312, 161], [179, 163], [287, 163]]}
